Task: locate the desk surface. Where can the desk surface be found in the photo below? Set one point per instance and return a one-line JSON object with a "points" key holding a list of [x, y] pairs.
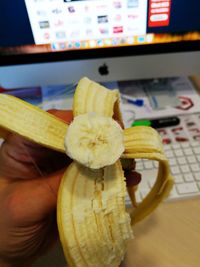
{"points": [[170, 237]]}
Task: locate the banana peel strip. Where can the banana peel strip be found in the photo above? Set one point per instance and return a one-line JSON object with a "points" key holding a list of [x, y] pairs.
{"points": [[92, 215], [93, 97], [140, 142], [145, 143], [31, 122]]}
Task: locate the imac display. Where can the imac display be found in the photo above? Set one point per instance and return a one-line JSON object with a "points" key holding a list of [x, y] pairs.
{"points": [[45, 42]]}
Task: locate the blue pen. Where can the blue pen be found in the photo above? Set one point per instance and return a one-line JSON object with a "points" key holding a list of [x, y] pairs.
{"points": [[137, 102]]}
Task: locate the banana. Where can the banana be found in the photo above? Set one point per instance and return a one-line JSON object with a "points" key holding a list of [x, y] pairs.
{"points": [[31, 122], [93, 223], [94, 226], [92, 97], [94, 141]]}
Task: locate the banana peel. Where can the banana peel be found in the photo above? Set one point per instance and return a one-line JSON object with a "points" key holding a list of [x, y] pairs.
{"points": [[93, 223]]}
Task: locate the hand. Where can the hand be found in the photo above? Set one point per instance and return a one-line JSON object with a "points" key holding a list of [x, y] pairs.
{"points": [[29, 181]]}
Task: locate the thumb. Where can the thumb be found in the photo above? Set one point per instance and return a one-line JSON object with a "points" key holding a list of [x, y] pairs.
{"points": [[33, 200], [36, 199], [49, 185], [46, 190]]}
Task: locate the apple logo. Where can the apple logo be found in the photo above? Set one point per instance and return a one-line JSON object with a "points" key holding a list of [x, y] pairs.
{"points": [[103, 69]]}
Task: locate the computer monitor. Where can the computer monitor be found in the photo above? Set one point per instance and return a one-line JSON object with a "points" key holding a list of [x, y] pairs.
{"points": [[47, 42]]}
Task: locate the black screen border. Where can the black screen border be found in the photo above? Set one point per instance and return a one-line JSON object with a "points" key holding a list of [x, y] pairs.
{"points": [[87, 54]]}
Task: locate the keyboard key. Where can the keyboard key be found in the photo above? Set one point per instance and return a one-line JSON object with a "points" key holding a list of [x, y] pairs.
{"points": [[192, 159], [181, 160], [144, 185], [195, 167], [151, 182], [178, 152], [175, 170], [172, 161], [184, 168], [169, 154], [175, 146], [185, 144], [187, 188], [166, 147], [195, 144], [197, 176], [198, 158], [155, 163], [196, 150], [148, 165], [188, 177], [139, 166], [188, 151], [178, 178]]}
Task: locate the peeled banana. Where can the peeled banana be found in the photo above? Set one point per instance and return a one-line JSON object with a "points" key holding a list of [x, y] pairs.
{"points": [[93, 223], [89, 138]]}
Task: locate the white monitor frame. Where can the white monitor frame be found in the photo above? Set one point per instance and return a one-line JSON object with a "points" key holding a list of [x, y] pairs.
{"points": [[119, 68]]}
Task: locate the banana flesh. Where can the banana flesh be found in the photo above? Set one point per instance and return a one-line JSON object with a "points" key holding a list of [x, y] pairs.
{"points": [[93, 223], [90, 137]]}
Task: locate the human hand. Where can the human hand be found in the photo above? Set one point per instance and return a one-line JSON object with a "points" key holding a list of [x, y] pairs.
{"points": [[29, 181]]}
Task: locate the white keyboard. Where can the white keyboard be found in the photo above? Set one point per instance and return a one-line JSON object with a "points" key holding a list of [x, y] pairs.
{"points": [[184, 159]]}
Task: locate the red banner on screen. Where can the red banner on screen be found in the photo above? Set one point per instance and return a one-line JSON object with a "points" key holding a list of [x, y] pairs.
{"points": [[159, 13]]}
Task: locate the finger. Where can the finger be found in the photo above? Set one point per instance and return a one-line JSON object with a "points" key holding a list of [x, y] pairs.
{"points": [[12, 168], [133, 178], [22, 159], [45, 159], [65, 115], [49, 187], [33, 200]]}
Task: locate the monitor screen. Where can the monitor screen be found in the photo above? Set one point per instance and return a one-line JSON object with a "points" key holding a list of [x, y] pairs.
{"points": [[103, 39]]}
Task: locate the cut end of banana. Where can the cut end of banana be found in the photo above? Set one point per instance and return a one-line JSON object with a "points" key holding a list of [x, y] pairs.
{"points": [[94, 141]]}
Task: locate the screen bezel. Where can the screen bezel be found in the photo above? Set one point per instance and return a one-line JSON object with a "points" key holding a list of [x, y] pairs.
{"points": [[136, 50]]}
